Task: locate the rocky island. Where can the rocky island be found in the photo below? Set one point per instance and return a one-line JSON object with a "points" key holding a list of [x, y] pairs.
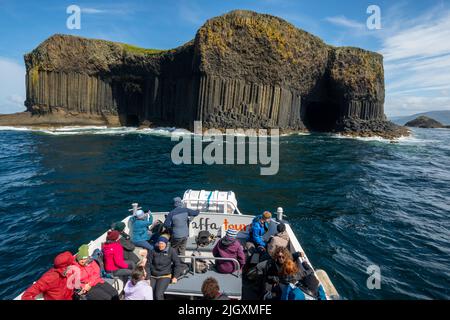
{"points": [[425, 122], [242, 70]]}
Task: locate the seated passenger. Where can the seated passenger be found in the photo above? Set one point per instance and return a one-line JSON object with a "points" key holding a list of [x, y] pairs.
{"points": [[290, 291], [113, 257], [163, 266], [259, 226], [281, 239], [137, 288], [53, 284], [125, 240], [141, 234], [229, 247], [211, 290], [91, 284]]}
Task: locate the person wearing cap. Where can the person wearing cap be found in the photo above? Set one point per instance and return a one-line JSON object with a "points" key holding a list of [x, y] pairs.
{"points": [[177, 222], [113, 257], [259, 226], [53, 284], [125, 240], [229, 247], [281, 239], [163, 267], [91, 285], [140, 222]]}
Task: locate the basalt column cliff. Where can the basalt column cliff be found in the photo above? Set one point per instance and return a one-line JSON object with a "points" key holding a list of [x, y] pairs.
{"points": [[242, 70]]}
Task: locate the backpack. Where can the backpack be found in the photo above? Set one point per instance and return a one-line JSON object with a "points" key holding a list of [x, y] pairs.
{"points": [[204, 238], [201, 265]]}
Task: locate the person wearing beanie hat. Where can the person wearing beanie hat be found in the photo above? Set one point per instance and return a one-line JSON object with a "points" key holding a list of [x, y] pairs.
{"points": [[140, 224], [177, 222], [260, 225], [91, 284], [125, 240], [229, 247], [114, 258], [163, 266], [281, 239], [83, 252]]}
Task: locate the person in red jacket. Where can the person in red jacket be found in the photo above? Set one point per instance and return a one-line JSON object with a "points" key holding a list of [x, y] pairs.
{"points": [[229, 247], [53, 284], [90, 282], [113, 257]]}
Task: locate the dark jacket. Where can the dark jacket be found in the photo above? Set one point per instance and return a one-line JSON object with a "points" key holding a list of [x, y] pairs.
{"points": [[128, 248], [177, 221], [257, 232], [53, 284], [161, 263], [226, 248]]}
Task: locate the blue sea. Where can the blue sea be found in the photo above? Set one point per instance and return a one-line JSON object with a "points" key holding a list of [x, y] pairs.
{"points": [[352, 203]]}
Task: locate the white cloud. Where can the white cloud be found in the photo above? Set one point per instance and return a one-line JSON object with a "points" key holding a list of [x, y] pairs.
{"points": [[92, 11], [12, 89], [342, 21], [417, 64]]}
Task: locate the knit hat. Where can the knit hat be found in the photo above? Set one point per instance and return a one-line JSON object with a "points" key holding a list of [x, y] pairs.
{"points": [[83, 252], [266, 215], [113, 235], [231, 233], [140, 214], [163, 239], [118, 226]]}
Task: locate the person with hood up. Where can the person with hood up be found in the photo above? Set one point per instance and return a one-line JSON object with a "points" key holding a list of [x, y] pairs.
{"points": [[113, 257], [229, 247], [53, 284], [140, 223], [91, 283], [177, 222], [125, 240], [137, 288], [163, 266], [281, 239], [259, 226]]}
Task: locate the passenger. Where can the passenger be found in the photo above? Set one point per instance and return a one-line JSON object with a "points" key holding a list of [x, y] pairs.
{"points": [[229, 247], [177, 222], [272, 275], [281, 239], [125, 240], [163, 266], [141, 235], [137, 288], [53, 284], [92, 286], [260, 225], [113, 257], [290, 291], [211, 290]]}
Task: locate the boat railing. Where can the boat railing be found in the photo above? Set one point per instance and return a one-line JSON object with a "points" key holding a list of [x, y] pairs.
{"points": [[237, 266], [199, 203]]}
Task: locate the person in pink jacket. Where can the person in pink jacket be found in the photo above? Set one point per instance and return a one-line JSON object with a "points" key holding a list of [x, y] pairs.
{"points": [[113, 257], [91, 285], [229, 247]]}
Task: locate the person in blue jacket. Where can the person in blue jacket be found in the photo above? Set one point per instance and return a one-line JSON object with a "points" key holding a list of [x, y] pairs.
{"points": [[141, 235], [259, 227], [177, 222]]}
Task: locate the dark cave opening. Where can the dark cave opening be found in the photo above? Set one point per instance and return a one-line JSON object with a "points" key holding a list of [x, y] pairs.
{"points": [[320, 116]]}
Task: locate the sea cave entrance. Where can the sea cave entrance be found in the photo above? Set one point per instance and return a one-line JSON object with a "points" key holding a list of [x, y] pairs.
{"points": [[320, 116]]}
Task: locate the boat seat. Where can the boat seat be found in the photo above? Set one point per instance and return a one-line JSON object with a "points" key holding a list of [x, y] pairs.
{"points": [[191, 284]]}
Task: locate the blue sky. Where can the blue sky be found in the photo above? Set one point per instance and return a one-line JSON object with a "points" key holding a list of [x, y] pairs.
{"points": [[414, 38]]}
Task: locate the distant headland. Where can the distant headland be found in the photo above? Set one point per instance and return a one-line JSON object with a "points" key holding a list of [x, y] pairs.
{"points": [[425, 122], [242, 70]]}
